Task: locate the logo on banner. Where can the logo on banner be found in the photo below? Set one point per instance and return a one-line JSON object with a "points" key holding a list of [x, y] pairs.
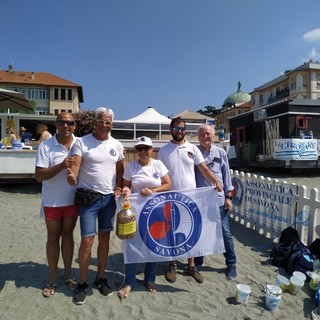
{"points": [[237, 193], [170, 224]]}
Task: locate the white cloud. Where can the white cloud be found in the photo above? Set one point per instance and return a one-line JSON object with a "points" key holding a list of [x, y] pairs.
{"points": [[312, 36]]}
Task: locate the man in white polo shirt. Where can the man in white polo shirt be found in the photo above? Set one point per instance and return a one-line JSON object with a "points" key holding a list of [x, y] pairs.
{"points": [[53, 159], [181, 157]]}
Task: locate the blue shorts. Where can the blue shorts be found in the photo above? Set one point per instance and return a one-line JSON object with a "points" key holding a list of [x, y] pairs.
{"points": [[104, 209]]}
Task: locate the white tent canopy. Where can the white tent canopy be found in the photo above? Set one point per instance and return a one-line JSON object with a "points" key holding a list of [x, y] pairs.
{"points": [[150, 115]]}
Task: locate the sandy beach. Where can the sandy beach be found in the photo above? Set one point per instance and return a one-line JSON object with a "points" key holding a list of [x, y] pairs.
{"points": [[23, 273]]}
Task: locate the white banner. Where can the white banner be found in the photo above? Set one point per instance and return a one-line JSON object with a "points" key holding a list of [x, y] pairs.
{"points": [[296, 149], [175, 225], [264, 202]]}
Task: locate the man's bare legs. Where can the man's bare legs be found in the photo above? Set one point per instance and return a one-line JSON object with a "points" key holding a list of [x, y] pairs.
{"points": [[67, 244]]}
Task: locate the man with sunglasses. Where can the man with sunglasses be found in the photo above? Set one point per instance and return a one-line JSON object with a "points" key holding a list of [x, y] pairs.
{"points": [[98, 167], [53, 159], [181, 157]]}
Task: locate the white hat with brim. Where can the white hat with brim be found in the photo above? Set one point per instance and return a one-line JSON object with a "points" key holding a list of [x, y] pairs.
{"points": [[143, 141]]}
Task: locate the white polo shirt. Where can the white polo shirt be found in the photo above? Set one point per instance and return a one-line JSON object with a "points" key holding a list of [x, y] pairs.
{"points": [[180, 161], [144, 176], [56, 192]]}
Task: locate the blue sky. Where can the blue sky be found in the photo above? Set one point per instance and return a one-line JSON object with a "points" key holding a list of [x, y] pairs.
{"points": [[169, 54]]}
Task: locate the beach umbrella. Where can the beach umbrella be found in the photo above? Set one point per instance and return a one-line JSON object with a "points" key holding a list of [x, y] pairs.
{"points": [[14, 100]]}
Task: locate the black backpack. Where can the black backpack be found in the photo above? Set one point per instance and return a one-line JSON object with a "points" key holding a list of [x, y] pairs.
{"points": [[279, 255], [300, 259], [289, 236]]}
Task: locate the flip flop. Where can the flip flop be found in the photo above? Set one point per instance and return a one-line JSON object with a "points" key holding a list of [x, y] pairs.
{"points": [[151, 286], [124, 292], [49, 290], [71, 284]]}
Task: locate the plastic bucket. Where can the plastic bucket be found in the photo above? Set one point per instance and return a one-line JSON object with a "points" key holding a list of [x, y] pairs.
{"points": [[282, 282], [295, 284], [313, 286], [300, 275], [273, 297], [243, 293]]}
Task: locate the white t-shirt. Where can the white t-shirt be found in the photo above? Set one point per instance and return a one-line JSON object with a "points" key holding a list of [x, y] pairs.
{"points": [[56, 192], [98, 166], [144, 176], [180, 161]]}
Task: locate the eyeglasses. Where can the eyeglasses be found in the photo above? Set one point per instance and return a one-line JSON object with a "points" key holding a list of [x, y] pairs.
{"points": [[145, 148], [69, 123], [177, 129], [103, 122]]}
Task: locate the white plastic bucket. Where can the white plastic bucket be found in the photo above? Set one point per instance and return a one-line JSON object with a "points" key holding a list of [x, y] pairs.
{"points": [[243, 293], [300, 275], [282, 282], [295, 284], [273, 297]]}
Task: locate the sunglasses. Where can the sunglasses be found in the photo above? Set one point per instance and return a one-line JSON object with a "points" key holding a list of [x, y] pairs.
{"points": [[177, 129], [103, 122], [69, 123], [145, 148]]}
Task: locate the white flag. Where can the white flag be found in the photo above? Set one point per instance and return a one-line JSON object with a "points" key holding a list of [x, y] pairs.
{"points": [[175, 225]]}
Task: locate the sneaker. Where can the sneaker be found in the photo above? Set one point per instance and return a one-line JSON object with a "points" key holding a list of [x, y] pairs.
{"points": [[231, 272], [195, 274], [171, 275], [102, 286], [80, 295]]}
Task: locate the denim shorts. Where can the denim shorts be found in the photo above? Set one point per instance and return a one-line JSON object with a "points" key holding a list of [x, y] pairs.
{"points": [[104, 210]]}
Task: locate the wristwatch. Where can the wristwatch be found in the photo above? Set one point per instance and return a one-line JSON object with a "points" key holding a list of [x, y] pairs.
{"points": [[228, 197]]}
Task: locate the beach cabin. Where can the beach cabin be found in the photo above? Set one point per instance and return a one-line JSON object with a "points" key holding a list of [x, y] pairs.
{"points": [[282, 134]]}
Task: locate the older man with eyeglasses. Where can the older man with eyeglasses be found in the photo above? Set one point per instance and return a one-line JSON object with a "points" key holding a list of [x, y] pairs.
{"points": [[181, 157], [53, 159], [98, 167]]}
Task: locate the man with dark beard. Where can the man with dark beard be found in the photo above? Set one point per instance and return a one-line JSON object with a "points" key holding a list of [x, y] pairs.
{"points": [[181, 157]]}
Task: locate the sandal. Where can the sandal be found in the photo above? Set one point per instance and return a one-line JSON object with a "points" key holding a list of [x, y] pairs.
{"points": [[71, 284], [124, 292], [151, 286], [49, 290]]}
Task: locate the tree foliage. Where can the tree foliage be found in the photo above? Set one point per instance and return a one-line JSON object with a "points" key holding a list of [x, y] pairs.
{"points": [[84, 122], [208, 111]]}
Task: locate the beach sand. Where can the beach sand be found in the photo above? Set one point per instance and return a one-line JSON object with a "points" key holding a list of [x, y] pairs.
{"points": [[23, 273]]}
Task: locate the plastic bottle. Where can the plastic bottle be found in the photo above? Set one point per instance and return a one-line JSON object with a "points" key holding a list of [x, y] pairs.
{"points": [[126, 226]]}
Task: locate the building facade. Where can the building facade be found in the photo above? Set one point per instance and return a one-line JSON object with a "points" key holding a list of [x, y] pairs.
{"points": [[49, 94], [302, 82], [235, 104]]}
